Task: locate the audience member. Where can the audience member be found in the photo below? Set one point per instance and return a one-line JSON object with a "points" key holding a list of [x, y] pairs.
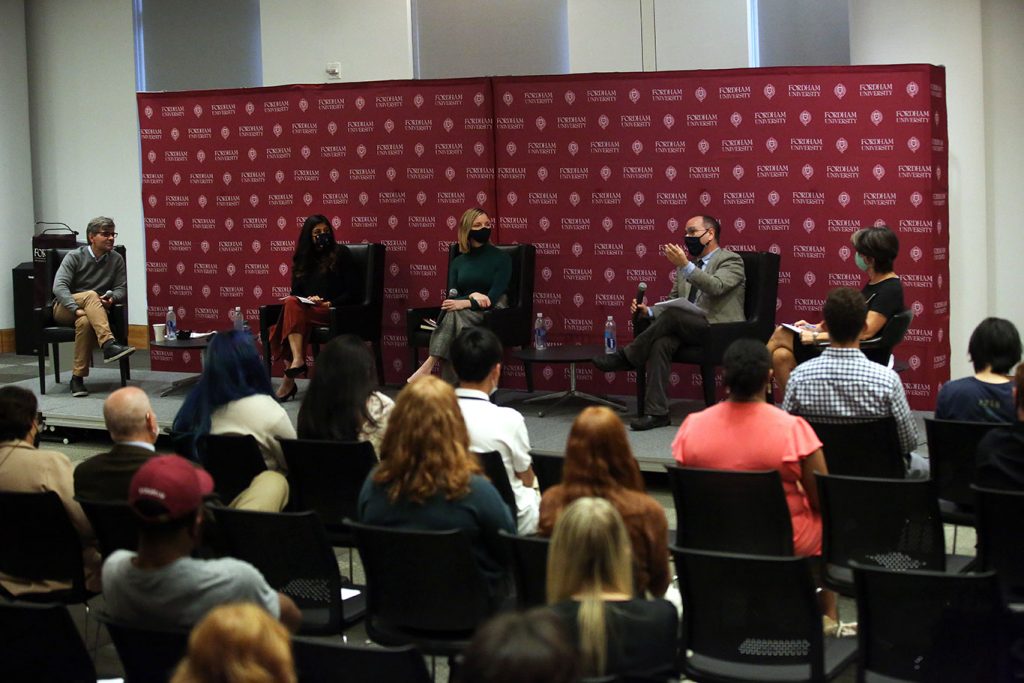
{"points": [[745, 433], [133, 428], [237, 643], [234, 396], [342, 402], [476, 359], [26, 469], [994, 349], [842, 385], [323, 276], [520, 647], [428, 479], [162, 586], [875, 250], [599, 462], [1000, 453], [590, 586]]}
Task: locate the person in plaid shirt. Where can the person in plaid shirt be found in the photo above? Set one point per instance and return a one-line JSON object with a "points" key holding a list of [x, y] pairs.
{"points": [[843, 384]]}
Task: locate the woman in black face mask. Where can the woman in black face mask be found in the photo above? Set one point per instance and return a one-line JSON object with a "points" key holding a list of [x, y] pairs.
{"points": [[323, 277], [479, 275]]}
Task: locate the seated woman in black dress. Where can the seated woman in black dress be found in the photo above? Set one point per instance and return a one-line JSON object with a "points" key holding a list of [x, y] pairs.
{"points": [[875, 250], [590, 585], [480, 274], [322, 274]]}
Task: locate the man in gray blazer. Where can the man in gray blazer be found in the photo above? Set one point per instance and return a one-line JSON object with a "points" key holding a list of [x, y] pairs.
{"points": [[712, 279]]}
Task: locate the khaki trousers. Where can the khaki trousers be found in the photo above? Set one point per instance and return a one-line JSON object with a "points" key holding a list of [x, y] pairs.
{"points": [[268, 492], [91, 328]]}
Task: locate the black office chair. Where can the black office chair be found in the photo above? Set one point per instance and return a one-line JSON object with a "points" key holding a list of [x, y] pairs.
{"points": [[232, 460], [951, 449], [754, 618], [41, 643], [1000, 535], [513, 325], [363, 318], [761, 291], [928, 626], [317, 661], [879, 348], [890, 523], [861, 448], [527, 558], [38, 542], [494, 469], [147, 655], [423, 588], [49, 332], [116, 526], [292, 552], [728, 510], [548, 468]]}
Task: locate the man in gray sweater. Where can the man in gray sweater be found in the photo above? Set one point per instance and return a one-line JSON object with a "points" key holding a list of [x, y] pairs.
{"points": [[89, 281]]}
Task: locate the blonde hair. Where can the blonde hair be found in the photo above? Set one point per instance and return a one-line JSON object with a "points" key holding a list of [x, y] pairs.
{"points": [[466, 224], [590, 554], [237, 643], [426, 446]]}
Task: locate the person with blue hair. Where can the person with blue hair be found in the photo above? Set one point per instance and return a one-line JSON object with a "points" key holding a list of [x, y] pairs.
{"points": [[234, 396]]}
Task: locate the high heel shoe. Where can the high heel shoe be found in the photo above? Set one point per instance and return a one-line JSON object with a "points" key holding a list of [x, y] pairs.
{"points": [[289, 396], [296, 372]]}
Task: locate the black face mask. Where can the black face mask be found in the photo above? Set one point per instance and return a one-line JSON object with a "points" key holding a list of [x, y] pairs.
{"points": [[322, 240], [694, 246], [482, 235]]}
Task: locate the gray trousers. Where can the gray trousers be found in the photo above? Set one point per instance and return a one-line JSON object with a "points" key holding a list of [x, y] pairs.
{"points": [[452, 323], [655, 346]]}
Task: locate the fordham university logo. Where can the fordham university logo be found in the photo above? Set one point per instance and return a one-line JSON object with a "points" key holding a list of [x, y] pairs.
{"points": [[641, 249], [201, 156], [152, 200], [809, 279], [544, 223], [878, 171], [226, 178], [424, 294], [155, 245], [332, 127], [363, 198], [175, 134], [839, 90], [257, 291], [773, 197], [256, 246], [205, 246], [224, 132], [277, 130], [607, 223], [176, 178], [151, 155], [419, 149], [449, 173], [737, 172], [391, 173], [479, 148], [805, 117], [574, 198], [577, 249], [671, 173], [307, 199], [282, 223], [914, 362], [739, 224], [303, 104], [771, 144], [938, 227], [422, 246], [511, 149], [282, 269], [448, 124], [602, 121], [916, 253], [254, 200], [335, 174], [478, 99], [180, 268], [360, 102], [148, 111], [542, 173], [912, 88], [507, 98], [916, 198], [577, 299], [206, 291], [674, 379], [481, 198], [842, 145], [395, 316], [844, 199], [394, 270], [609, 275], [548, 372], [844, 252], [202, 201], [229, 223], [775, 248], [397, 364], [392, 221], [634, 95], [155, 289], [809, 225], [451, 222], [669, 121], [917, 307], [769, 91], [252, 154], [573, 148], [305, 151], [703, 146], [637, 147], [186, 356], [545, 273], [540, 123], [700, 93], [417, 100], [361, 151], [807, 171], [279, 176], [638, 198], [705, 197], [606, 172], [736, 119], [179, 223], [913, 144], [570, 97], [250, 108], [230, 270], [511, 198], [876, 117], [335, 222]]}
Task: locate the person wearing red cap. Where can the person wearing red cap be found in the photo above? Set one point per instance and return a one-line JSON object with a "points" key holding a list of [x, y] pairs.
{"points": [[161, 585]]}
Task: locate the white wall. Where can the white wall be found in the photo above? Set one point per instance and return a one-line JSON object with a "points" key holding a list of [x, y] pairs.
{"points": [[604, 35], [701, 35], [15, 151], [371, 38], [1003, 50], [946, 32], [85, 134]]}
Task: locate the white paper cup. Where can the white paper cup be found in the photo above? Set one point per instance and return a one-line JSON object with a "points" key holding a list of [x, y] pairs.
{"points": [[158, 331]]}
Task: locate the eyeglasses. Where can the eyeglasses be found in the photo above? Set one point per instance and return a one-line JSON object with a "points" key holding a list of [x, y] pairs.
{"points": [[108, 234]]}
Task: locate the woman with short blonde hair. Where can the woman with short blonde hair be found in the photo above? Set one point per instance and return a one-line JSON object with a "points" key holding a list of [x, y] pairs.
{"points": [[237, 643], [590, 585]]}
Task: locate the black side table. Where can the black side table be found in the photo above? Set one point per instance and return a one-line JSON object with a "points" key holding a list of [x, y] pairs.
{"points": [[564, 354]]}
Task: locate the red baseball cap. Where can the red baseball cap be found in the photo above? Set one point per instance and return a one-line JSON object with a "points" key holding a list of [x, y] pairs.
{"points": [[168, 487]]}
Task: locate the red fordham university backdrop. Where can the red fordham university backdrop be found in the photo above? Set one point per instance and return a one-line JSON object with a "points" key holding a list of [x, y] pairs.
{"points": [[595, 170]]}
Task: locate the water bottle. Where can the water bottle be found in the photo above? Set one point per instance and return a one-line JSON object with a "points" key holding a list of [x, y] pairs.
{"points": [[171, 330], [540, 333], [237, 319], [609, 336]]}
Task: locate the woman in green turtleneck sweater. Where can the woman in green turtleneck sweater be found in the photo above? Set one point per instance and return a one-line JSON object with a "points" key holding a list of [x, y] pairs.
{"points": [[480, 274]]}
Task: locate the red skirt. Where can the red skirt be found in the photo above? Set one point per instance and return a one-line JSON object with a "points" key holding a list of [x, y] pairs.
{"points": [[296, 318]]}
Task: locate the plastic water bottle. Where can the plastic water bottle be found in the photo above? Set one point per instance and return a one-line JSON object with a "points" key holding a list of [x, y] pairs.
{"points": [[171, 330], [237, 319], [609, 336], [540, 333]]}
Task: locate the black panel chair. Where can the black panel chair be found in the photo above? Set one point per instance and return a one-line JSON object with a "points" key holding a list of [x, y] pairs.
{"points": [[890, 523], [292, 552], [115, 524], [147, 655], [754, 618], [326, 477], [363, 319], [423, 588], [494, 469], [513, 325], [49, 332], [317, 661], [548, 468], [879, 348], [1001, 538], [38, 542], [232, 460], [928, 626], [527, 558], [864, 448], [951, 448], [762, 288], [41, 643], [726, 510]]}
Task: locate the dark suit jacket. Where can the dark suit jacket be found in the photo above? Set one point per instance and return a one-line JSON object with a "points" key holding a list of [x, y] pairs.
{"points": [[106, 477]]}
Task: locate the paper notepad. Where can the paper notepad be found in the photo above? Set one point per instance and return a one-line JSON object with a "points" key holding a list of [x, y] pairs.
{"points": [[681, 302]]}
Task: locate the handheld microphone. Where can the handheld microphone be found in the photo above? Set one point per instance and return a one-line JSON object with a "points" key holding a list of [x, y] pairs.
{"points": [[109, 294], [452, 293], [640, 290]]}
